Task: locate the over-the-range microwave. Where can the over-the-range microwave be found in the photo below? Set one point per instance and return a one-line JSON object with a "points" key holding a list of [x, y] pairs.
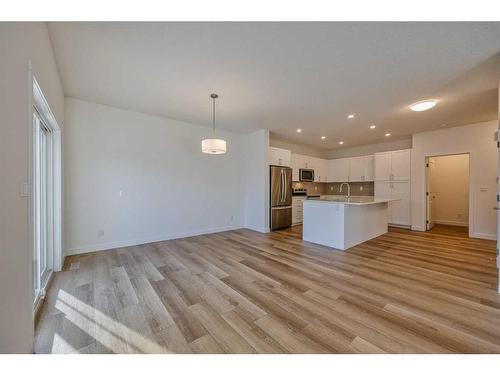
{"points": [[306, 175]]}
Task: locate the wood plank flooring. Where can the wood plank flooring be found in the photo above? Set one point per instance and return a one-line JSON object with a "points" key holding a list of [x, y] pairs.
{"points": [[245, 292]]}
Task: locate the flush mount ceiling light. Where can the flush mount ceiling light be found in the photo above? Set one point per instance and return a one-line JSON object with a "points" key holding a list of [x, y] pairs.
{"points": [[299, 130], [372, 126], [350, 116], [341, 142], [387, 134], [323, 137], [423, 105], [213, 145]]}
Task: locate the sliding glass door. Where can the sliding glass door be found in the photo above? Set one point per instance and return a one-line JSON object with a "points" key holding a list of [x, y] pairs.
{"points": [[44, 224]]}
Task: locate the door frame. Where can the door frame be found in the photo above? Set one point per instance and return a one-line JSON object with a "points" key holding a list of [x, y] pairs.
{"points": [[429, 224], [38, 100], [471, 195]]}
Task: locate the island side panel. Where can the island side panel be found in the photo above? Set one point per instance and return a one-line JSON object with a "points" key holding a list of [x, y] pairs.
{"points": [[323, 223], [364, 222]]}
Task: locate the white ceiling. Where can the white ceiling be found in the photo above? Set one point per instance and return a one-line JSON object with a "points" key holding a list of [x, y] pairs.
{"points": [[284, 76]]}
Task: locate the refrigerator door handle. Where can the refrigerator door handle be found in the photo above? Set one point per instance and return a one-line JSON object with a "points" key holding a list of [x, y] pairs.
{"points": [[285, 186], [282, 185]]}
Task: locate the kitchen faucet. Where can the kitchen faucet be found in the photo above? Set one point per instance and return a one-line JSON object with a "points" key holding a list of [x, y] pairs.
{"points": [[348, 188]]}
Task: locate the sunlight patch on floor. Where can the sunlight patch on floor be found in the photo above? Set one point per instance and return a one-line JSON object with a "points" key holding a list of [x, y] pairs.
{"points": [[59, 345], [112, 334]]}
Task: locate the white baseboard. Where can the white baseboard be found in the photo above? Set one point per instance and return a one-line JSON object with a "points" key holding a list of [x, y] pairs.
{"points": [[450, 222], [400, 226], [257, 229], [484, 236], [417, 228], [139, 241]]}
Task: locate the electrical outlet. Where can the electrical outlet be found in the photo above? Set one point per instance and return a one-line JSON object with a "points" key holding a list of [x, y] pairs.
{"points": [[25, 191], [100, 233], [361, 188], [331, 188], [120, 193], [315, 188]]}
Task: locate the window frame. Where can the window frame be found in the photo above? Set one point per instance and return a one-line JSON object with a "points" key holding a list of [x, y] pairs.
{"points": [[41, 117]]}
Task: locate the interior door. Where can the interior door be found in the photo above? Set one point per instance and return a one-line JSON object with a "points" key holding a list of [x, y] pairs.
{"points": [[430, 195], [498, 195]]}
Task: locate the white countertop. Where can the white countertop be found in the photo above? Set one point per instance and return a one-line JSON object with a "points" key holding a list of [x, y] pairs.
{"points": [[353, 200]]}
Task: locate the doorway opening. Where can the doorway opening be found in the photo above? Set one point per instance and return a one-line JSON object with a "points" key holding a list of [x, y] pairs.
{"points": [[447, 192], [45, 195]]}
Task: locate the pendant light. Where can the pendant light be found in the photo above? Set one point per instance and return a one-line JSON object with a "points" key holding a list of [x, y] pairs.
{"points": [[213, 145]]}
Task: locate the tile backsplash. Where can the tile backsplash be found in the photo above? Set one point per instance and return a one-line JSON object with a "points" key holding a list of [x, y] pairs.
{"points": [[313, 188], [323, 188], [357, 188]]}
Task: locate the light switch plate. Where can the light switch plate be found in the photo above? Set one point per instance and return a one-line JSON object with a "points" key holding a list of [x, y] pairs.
{"points": [[25, 191]]}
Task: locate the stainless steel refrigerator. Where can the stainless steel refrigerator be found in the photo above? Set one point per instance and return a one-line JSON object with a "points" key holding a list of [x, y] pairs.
{"points": [[281, 197]]}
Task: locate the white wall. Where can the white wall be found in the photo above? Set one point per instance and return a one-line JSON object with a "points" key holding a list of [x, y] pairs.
{"points": [[298, 148], [257, 181], [449, 185], [348, 152], [169, 188], [477, 140], [19, 43]]}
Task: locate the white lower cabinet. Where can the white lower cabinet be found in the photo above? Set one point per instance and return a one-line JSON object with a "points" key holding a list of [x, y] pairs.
{"points": [[297, 209], [399, 211]]}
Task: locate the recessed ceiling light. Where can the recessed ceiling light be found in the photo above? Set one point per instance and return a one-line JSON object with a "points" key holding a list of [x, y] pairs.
{"points": [[341, 142], [423, 105], [387, 134], [350, 116], [299, 130], [444, 125], [323, 137], [372, 126]]}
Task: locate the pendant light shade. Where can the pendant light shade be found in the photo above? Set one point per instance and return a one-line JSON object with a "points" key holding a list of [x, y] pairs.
{"points": [[213, 145]]}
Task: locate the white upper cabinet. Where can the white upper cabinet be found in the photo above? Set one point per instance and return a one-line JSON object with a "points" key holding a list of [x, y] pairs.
{"points": [[320, 167], [280, 156], [393, 165], [338, 170], [383, 166], [307, 162], [357, 169], [401, 164], [392, 175], [295, 166], [369, 174]]}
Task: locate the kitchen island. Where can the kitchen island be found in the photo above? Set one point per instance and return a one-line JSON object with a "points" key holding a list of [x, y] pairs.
{"points": [[342, 222]]}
